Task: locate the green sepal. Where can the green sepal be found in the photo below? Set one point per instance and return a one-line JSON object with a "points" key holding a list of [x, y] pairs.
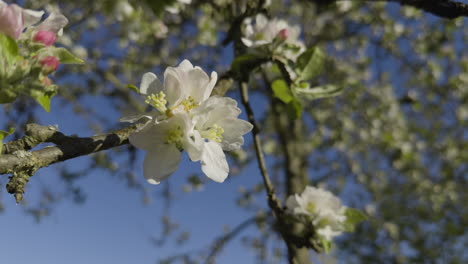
{"points": [[326, 245], [310, 63], [133, 87], [43, 98], [3, 134], [64, 56], [282, 91]]}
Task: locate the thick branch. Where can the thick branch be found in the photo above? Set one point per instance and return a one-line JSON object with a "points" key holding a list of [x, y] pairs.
{"points": [[442, 8], [67, 148]]}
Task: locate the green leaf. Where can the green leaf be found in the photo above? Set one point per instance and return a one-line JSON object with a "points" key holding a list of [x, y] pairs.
{"points": [[133, 87], [244, 64], [323, 91], [66, 57], [353, 217], [3, 134], [8, 48], [310, 63], [43, 98], [7, 96], [281, 91], [294, 109]]}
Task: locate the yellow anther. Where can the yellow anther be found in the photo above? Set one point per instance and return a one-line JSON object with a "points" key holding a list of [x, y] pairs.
{"points": [[214, 133], [157, 101], [175, 136], [189, 103]]}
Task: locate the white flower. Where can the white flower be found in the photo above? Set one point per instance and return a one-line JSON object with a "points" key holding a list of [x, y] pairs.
{"points": [[274, 31], [164, 142], [325, 210], [217, 122], [123, 10], [185, 87], [186, 119]]}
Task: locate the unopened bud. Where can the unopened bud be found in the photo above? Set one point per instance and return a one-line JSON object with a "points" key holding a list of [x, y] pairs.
{"points": [[45, 37], [49, 64], [283, 34]]}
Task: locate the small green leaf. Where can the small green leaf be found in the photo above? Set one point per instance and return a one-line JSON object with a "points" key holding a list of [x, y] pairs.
{"points": [[281, 91], [294, 109], [7, 96], [3, 134], [43, 98], [133, 87], [353, 217], [310, 63], [66, 57], [323, 91]]}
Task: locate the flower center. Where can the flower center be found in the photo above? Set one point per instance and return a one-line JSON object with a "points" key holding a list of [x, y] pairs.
{"points": [[189, 103], [157, 101], [311, 208], [214, 133], [174, 136]]}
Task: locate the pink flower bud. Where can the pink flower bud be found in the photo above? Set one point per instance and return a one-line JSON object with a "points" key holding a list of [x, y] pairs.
{"points": [[45, 37], [49, 64], [283, 34]]}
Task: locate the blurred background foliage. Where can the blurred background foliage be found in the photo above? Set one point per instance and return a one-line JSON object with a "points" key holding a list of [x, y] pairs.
{"points": [[394, 143]]}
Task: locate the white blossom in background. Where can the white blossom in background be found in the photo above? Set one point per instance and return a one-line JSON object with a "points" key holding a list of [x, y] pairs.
{"points": [[324, 209], [185, 117], [261, 31], [177, 6], [123, 10]]}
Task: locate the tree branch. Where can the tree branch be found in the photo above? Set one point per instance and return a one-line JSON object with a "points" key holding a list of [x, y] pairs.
{"points": [[67, 148], [443, 8]]}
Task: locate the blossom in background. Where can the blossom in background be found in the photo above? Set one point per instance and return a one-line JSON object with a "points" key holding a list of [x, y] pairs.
{"points": [[324, 209], [186, 118], [177, 6], [274, 31]]}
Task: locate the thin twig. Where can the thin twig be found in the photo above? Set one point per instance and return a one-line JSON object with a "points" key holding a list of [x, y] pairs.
{"points": [[272, 199]]}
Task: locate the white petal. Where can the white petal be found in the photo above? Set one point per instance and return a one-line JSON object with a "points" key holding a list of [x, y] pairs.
{"points": [[194, 145], [160, 163], [134, 118], [234, 129], [174, 87], [247, 42], [31, 17], [54, 23], [198, 82], [185, 66], [150, 135], [214, 163], [150, 84]]}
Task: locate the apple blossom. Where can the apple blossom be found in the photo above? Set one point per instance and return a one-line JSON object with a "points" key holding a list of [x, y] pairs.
{"points": [[273, 32], [324, 209], [186, 119]]}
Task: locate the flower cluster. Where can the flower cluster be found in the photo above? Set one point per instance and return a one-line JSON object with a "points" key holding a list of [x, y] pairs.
{"points": [[323, 208], [274, 36], [27, 54], [185, 117]]}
